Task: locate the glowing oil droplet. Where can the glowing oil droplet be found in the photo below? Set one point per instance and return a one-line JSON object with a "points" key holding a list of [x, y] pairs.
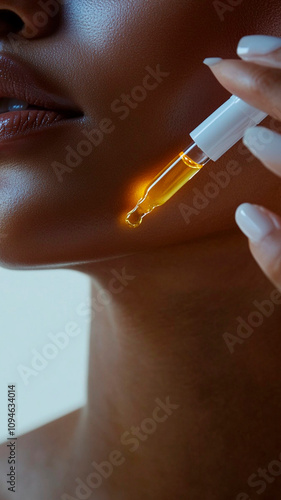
{"points": [[163, 187]]}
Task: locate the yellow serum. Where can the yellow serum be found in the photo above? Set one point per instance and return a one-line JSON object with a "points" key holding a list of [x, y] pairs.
{"points": [[163, 187]]}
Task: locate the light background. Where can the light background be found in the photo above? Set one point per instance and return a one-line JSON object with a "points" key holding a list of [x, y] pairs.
{"points": [[32, 305]]}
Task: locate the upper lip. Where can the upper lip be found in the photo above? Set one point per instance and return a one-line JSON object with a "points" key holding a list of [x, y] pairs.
{"points": [[18, 81]]}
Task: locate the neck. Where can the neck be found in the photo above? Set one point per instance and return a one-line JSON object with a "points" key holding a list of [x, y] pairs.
{"points": [[157, 338]]}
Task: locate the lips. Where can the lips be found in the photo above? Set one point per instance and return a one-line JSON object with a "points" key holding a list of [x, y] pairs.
{"points": [[32, 107]]}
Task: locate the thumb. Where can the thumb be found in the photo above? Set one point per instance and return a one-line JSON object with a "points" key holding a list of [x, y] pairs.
{"points": [[263, 228]]}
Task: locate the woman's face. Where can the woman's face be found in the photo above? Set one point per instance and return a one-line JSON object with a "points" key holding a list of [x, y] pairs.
{"points": [[133, 68]]}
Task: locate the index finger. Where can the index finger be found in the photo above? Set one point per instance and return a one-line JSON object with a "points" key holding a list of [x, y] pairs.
{"points": [[255, 84]]}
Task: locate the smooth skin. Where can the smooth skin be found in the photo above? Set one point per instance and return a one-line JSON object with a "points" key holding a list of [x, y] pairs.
{"points": [[162, 334]]}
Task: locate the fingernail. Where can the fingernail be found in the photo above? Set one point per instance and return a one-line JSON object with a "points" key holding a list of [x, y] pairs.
{"points": [[211, 61], [254, 222], [256, 45], [264, 144]]}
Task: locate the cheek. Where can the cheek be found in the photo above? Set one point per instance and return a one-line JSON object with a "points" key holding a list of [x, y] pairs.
{"points": [[111, 46], [150, 125]]}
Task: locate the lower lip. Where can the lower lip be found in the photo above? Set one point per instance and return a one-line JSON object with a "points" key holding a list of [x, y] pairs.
{"points": [[18, 124]]}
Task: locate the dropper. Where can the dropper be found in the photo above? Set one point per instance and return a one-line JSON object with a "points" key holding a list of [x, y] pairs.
{"points": [[210, 140]]}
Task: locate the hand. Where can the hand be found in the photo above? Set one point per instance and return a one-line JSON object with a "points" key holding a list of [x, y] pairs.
{"points": [[257, 80]]}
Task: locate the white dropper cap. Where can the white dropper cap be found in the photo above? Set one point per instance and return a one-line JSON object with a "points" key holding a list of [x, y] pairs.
{"points": [[226, 126]]}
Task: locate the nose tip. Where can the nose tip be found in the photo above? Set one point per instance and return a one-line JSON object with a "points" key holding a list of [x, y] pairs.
{"points": [[29, 19]]}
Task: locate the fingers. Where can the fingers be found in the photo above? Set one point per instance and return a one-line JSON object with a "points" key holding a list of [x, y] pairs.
{"points": [[263, 228], [263, 50], [258, 85], [257, 80]]}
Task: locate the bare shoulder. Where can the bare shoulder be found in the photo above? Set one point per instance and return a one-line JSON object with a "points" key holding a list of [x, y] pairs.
{"points": [[40, 454]]}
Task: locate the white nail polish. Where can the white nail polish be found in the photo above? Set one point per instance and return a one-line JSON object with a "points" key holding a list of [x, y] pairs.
{"points": [[265, 145], [254, 222], [211, 61], [257, 45]]}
